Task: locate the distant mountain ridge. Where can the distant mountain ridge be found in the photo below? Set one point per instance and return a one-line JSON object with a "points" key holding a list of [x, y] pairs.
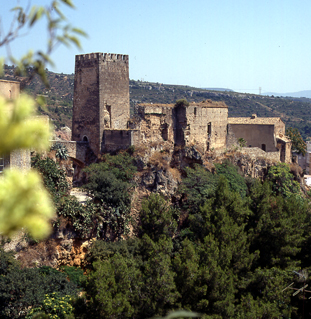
{"points": [[305, 93]]}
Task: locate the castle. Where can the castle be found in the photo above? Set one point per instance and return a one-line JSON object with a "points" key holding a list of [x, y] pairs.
{"points": [[101, 117]]}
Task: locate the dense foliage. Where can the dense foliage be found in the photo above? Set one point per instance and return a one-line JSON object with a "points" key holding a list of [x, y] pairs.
{"points": [[23, 289], [54, 178], [226, 248], [107, 214], [230, 258]]}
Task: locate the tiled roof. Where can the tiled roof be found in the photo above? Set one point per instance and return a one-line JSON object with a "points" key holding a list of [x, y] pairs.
{"points": [[253, 120]]}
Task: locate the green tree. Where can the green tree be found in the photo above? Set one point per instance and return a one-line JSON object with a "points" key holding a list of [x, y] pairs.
{"points": [[111, 287], [58, 32], [157, 217], [235, 179], [22, 289], [242, 142], [159, 294], [298, 144], [198, 185], [54, 178], [223, 250], [282, 180], [108, 181]]}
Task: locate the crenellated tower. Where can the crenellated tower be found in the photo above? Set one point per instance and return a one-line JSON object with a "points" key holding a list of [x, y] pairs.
{"points": [[101, 97]]}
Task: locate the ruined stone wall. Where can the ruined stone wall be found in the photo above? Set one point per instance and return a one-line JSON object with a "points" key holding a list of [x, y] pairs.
{"points": [[156, 123], [206, 126], [86, 113], [258, 153], [114, 140], [285, 147], [279, 128], [75, 149], [114, 91], [256, 135], [9, 89]]}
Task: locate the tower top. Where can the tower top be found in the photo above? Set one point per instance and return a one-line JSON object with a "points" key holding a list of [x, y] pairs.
{"points": [[101, 57]]}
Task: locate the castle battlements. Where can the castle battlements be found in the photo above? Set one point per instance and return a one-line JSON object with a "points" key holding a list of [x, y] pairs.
{"points": [[101, 57]]}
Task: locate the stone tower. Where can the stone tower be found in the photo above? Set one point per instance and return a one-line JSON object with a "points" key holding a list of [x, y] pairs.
{"points": [[101, 97]]}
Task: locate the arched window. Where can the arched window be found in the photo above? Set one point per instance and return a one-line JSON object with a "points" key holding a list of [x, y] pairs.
{"points": [[85, 139]]}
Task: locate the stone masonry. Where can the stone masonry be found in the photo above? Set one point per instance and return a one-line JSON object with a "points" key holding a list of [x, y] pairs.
{"points": [[101, 116], [101, 97]]}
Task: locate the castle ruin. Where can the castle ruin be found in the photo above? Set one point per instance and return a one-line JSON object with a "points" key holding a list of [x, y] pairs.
{"points": [[101, 116]]}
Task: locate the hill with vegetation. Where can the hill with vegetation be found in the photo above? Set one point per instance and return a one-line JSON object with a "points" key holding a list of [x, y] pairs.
{"points": [[223, 245], [59, 98]]}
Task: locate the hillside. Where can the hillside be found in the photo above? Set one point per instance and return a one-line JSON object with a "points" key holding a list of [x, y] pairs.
{"points": [[293, 111]]}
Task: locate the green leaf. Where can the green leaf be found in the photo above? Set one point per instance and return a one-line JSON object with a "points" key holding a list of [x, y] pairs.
{"points": [[79, 31], [69, 3], [75, 40]]}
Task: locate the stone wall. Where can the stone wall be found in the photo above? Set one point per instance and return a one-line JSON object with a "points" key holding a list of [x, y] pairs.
{"points": [[114, 91], [155, 123], [86, 119], [206, 125], [258, 153], [279, 128], [9, 89], [76, 150], [101, 96], [256, 135], [201, 124], [114, 140]]}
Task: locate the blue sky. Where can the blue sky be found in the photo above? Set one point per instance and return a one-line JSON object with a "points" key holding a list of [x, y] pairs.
{"points": [[240, 45]]}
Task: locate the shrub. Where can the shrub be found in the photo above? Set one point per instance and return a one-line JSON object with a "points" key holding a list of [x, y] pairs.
{"points": [[94, 219], [54, 306], [236, 181], [197, 187], [54, 177], [74, 274], [22, 289], [157, 217], [181, 102], [61, 151], [283, 180]]}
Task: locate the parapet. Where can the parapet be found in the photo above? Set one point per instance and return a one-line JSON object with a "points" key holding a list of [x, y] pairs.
{"points": [[99, 57]]}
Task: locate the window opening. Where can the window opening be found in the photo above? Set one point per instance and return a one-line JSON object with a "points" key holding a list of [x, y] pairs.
{"points": [[209, 128]]}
